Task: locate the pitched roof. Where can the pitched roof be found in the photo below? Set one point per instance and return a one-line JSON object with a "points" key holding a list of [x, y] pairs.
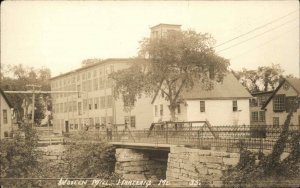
{"points": [[229, 88], [294, 82], [5, 98]]}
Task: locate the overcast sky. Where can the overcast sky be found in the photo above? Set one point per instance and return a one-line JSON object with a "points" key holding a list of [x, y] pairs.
{"points": [[60, 34]]}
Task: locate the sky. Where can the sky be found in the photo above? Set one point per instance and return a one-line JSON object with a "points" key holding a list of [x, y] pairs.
{"points": [[61, 34]]}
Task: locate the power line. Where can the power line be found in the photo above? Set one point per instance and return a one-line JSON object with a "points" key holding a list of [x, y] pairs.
{"points": [[257, 28], [265, 43], [256, 35]]}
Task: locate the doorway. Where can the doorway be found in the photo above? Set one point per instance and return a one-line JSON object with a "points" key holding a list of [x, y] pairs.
{"points": [[67, 126]]}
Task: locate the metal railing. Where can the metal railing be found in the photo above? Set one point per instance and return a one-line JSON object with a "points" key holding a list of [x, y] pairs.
{"points": [[250, 136]]}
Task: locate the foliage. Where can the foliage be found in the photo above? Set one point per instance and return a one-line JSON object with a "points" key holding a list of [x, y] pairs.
{"points": [[264, 78], [269, 167], [19, 157], [15, 78], [90, 160], [177, 61]]}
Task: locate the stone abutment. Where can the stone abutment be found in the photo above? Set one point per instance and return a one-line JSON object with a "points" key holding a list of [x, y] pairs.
{"points": [[181, 166]]}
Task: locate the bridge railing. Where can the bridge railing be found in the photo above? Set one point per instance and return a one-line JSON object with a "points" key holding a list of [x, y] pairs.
{"points": [[252, 137]]}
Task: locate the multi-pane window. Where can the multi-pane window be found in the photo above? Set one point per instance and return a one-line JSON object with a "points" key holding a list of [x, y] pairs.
{"points": [[74, 106], [95, 84], [84, 86], [254, 116], [262, 116], [108, 83], [202, 106], [109, 101], [96, 103], [276, 121], [95, 73], [79, 108], [90, 104], [65, 107], [90, 85], [130, 121], [70, 105], [84, 104], [234, 106], [258, 116], [102, 102], [5, 121], [101, 83], [161, 112], [155, 110], [279, 103]]}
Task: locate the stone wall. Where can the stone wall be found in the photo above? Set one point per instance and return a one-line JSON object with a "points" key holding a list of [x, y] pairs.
{"points": [[186, 166], [140, 164]]}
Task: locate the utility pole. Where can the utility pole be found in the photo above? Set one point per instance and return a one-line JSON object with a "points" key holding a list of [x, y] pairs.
{"points": [[33, 99]]}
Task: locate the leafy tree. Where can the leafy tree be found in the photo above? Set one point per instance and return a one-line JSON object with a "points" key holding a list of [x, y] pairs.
{"points": [[175, 62], [15, 78], [249, 79], [270, 76], [264, 78]]}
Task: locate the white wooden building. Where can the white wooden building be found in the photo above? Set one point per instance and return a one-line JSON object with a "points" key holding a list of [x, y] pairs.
{"points": [[226, 104], [5, 116]]}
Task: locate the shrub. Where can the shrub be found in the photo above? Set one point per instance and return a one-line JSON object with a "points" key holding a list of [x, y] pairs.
{"points": [[19, 156], [270, 171]]}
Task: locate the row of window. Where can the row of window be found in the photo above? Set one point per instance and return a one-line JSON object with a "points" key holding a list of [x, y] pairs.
{"points": [[202, 108], [87, 86], [96, 122], [87, 104], [234, 106], [83, 76]]}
